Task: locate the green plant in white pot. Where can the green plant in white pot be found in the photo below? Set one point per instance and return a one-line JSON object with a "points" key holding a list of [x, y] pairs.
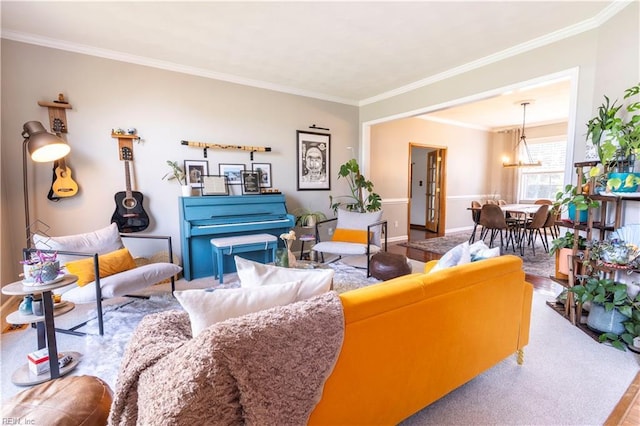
{"points": [[307, 218], [178, 174]]}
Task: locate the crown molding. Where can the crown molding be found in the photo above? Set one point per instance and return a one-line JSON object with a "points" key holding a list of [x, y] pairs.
{"points": [[165, 65], [586, 25], [611, 10]]}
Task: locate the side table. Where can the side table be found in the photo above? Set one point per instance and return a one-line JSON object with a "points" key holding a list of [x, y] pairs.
{"points": [[305, 238], [46, 330]]}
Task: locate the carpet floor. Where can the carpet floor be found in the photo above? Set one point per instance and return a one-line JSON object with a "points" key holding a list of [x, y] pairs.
{"points": [[541, 264]]}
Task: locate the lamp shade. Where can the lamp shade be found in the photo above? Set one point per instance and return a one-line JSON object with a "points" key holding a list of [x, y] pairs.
{"points": [[42, 145]]}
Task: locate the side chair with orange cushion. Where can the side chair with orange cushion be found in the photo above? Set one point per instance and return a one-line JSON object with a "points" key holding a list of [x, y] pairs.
{"points": [[102, 252], [355, 234]]}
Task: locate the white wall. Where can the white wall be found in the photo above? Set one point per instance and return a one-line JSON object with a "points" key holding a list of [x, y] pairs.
{"points": [[468, 160], [166, 107]]}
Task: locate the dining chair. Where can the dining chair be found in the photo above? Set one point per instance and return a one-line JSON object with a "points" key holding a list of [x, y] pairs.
{"points": [[502, 202], [533, 228], [543, 201], [475, 215], [492, 219]]}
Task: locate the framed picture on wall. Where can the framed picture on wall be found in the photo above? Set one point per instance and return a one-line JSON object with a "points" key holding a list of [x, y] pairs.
{"points": [[250, 182], [215, 185], [194, 170], [233, 172], [265, 173], [313, 160]]}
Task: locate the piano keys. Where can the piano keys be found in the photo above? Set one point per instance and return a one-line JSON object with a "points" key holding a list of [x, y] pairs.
{"points": [[204, 218]]}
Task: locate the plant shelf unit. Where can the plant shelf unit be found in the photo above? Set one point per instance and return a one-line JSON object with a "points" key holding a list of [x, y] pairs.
{"points": [[597, 220]]}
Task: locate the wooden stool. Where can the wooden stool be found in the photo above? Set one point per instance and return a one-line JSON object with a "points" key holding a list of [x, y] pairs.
{"points": [[241, 244], [70, 400]]}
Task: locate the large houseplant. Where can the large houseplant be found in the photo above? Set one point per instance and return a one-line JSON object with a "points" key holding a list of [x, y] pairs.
{"points": [[361, 198]]}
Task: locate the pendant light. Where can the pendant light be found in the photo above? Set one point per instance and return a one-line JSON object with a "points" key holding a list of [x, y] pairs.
{"points": [[523, 141]]}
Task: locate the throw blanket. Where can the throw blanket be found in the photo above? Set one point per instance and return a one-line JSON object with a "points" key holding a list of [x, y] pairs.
{"points": [[265, 368]]}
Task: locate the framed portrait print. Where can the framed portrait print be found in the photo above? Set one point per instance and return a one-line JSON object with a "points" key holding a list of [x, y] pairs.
{"points": [[250, 182], [265, 173], [313, 160], [215, 185], [233, 172], [194, 170]]}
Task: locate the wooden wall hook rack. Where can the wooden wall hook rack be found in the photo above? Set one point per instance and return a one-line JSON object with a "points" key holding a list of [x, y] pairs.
{"points": [[125, 141], [57, 115]]}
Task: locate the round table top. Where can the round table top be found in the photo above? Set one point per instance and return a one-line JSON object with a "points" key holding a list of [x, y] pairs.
{"points": [[19, 289]]}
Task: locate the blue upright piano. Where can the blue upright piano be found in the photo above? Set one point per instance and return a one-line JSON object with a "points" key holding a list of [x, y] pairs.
{"points": [[204, 218]]}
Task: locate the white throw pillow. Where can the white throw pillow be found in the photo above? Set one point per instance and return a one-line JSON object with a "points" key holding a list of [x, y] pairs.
{"points": [[122, 283], [102, 241], [458, 255], [356, 220], [479, 250], [207, 307], [314, 281]]}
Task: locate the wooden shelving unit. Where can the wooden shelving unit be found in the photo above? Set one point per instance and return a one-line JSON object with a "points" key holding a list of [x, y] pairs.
{"points": [[609, 205]]}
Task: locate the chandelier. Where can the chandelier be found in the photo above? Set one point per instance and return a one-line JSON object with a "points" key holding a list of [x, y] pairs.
{"points": [[518, 162]]}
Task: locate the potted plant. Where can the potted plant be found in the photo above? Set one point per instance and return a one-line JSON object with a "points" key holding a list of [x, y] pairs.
{"points": [[307, 218], [612, 311], [573, 200], [178, 174], [617, 140], [357, 200], [562, 248]]}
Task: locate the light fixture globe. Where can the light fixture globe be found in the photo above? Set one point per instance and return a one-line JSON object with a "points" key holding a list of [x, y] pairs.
{"points": [[42, 145]]}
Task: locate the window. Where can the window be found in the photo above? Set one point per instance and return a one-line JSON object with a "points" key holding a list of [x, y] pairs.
{"points": [[546, 180]]}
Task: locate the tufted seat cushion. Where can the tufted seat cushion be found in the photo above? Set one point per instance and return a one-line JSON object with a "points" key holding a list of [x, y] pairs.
{"points": [[70, 400]]}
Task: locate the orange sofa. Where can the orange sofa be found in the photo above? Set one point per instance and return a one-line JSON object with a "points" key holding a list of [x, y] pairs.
{"points": [[405, 343], [411, 340]]}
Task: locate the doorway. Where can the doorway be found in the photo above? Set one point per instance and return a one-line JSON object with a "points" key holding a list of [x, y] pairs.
{"points": [[427, 198]]}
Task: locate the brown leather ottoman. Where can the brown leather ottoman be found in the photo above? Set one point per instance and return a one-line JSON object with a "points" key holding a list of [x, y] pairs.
{"points": [[70, 400], [385, 266]]}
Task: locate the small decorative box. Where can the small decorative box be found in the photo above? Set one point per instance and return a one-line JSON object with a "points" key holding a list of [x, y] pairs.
{"points": [[39, 361]]}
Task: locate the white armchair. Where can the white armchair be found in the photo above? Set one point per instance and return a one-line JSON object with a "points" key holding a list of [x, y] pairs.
{"points": [[85, 252], [355, 234]]}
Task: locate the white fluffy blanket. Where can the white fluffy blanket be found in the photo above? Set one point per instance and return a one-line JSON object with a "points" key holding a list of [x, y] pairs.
{"points": [[266, 368]]}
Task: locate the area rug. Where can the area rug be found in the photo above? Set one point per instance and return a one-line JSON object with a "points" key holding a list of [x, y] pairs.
{"points": [[541, 263]]}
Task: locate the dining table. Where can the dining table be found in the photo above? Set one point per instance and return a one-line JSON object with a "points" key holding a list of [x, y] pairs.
{"points": [[517, 215]]}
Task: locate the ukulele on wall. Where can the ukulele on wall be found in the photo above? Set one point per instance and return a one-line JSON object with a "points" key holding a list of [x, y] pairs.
{"points": [[129, 215], [62, 184]]}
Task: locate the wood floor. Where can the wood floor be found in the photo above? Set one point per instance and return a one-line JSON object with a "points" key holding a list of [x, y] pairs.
{"points": [[626, 412]]}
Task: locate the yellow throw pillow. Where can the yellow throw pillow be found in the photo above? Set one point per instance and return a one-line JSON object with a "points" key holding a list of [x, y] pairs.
{"points": [[350, 235], [110, 263]]}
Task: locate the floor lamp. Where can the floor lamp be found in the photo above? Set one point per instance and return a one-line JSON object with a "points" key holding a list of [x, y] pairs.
{"points": [[43, 147]]}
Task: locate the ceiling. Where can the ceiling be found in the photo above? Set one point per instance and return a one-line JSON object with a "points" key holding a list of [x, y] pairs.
{"points": [[349, 52]]}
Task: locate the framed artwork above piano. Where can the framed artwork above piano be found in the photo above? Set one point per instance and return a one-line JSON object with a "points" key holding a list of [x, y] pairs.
{"points": [[204, 218]]}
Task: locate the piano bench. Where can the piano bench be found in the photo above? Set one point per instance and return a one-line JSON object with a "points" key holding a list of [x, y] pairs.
{"points": [[241, 244]]}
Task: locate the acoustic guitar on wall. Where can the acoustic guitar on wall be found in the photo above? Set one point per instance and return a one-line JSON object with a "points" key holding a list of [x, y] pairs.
{"points": [[129, 214]]}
